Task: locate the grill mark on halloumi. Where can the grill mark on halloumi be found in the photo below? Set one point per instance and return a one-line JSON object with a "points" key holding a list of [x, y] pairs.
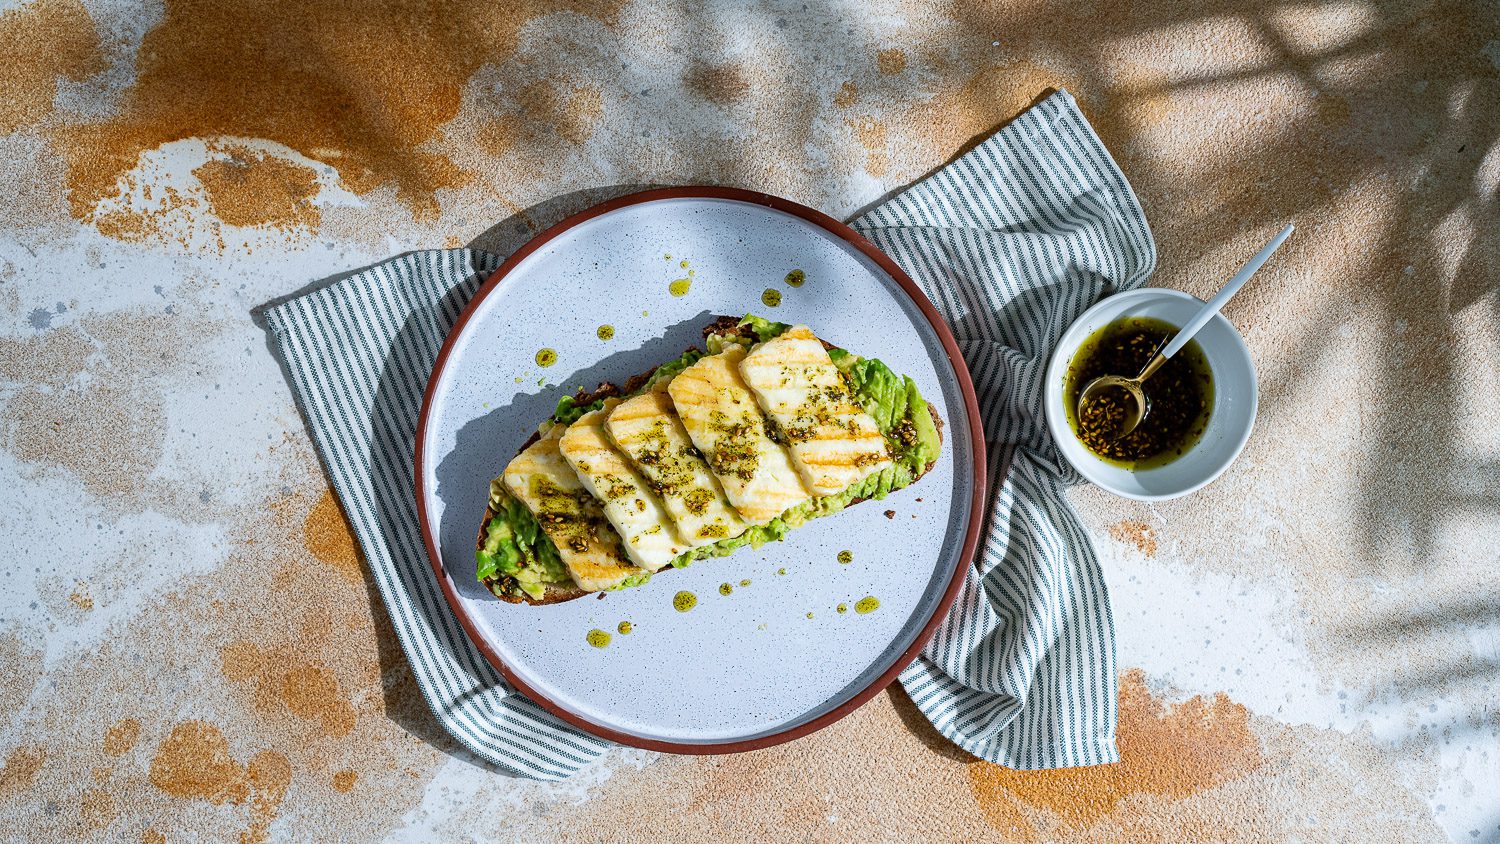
{"points": [[722, 417], [647, 430], [833, 442], [650, 538], [542, 480]]}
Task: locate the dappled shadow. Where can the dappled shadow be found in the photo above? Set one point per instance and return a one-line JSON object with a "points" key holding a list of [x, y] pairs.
{"points": [[913, 719], [1368, 125], [511, 234]]}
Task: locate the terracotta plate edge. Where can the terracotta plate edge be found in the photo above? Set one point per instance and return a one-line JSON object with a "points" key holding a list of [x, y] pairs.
{"points": [[976, 435]]}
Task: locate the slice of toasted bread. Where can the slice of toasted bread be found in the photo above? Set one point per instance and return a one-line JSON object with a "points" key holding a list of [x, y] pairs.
{"points": [[559, 592]]}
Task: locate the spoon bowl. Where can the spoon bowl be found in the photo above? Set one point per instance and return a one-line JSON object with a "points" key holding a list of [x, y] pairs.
{"points": [[1123, 417], [1129, 414]]}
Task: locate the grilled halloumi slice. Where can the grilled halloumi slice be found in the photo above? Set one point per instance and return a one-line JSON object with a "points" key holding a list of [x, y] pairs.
{"points": [[647, 429], [568, 514], [650, 537], [833, 442], [721, 416]]}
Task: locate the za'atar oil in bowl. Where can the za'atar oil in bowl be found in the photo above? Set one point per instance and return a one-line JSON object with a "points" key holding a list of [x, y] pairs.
{"points": [[1179, 395], [1151, 469]]}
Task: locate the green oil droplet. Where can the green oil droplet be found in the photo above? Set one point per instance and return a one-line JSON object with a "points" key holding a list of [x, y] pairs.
{"points": [[809, 615], [725, 588], [546, 357], [781, 571], [745, 582], [846, 557], [770, 297], [867, 605], [668, 256], [683, 263], [598, 638], [684, 601], [680, 286], [842, 608], [795, 278], [606, 332], [625, 627]]}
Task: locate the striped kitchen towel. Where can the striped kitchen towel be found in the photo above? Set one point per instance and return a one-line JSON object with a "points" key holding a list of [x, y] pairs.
{"points": [[1011, 242]]}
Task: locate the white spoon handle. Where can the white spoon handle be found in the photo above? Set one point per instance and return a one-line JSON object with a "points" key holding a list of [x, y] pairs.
{"points": [[1213, 305]]}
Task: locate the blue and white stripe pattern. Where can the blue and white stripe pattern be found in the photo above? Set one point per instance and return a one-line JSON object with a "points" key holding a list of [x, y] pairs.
{"points": [[1011, 242], [358, 353]]}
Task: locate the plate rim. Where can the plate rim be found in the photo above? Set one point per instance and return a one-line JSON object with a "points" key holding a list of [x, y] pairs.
{"points": [[979, 494]]}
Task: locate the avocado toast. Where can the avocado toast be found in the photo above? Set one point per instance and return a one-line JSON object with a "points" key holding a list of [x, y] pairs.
{"points": [[770, 427]]}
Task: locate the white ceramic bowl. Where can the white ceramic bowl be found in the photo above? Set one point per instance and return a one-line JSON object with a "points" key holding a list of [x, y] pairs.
{"points": [[1229, 423]]}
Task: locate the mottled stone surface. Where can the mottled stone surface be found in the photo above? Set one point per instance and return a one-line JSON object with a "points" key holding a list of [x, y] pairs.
{"points": [[190, 645]]}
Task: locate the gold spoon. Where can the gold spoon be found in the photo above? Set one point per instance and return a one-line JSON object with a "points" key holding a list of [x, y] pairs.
{"points": [[1138, 406]]}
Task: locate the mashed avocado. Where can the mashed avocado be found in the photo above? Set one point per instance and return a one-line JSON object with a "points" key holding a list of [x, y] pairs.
{"points": [[516, 552]]}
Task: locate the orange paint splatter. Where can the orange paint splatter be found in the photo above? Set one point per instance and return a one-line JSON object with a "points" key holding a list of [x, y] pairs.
{"points": [[580, 114], [80, 597], [327, 535], [251, 188], [846, 95], [20, 769], [343, 781], [872, 136], [107, 429], [122, 736], [96, 809], [723, 84], [311, 692], [271, 774], [571, 115], [1333, 111], [109, 454], [891, 61], [298, 75], [193, 762], [42, 42], [307, 690], [1170, 751], [955, 119], [23, 662], [1137, 533], [1145, 100]]}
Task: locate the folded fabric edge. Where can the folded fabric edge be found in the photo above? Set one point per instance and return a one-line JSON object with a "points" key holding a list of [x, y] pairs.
{"points": [[282, 320], [1100, 751]]}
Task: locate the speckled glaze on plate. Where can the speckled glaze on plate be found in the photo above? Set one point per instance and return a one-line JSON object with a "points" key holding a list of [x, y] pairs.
{"points": [[750, 668]]}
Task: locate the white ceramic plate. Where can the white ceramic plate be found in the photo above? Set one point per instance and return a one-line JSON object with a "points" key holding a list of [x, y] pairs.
{"points": [[749, 669], [1229, 422]]}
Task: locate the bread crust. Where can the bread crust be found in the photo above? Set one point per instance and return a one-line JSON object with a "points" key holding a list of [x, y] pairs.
{"points": [[557, 593]]}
